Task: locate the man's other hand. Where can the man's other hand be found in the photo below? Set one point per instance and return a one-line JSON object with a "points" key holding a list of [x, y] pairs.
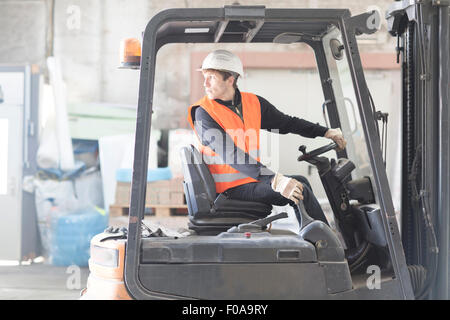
{"points": [[288, 187], [336, 136]]}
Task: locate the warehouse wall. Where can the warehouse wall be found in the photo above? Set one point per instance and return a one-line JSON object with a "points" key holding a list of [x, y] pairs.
{"points": [[79, 45], [23, 31], [87, 35]]}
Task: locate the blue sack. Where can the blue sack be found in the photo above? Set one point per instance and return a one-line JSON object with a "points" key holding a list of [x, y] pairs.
{"points": [[72, 234]]}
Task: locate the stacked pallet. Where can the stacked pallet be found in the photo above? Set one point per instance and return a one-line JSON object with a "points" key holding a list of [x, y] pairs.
{"points": [[163, 198]]}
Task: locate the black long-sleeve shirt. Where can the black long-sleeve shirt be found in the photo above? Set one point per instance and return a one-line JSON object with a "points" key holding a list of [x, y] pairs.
{"points": [[271, 118]]}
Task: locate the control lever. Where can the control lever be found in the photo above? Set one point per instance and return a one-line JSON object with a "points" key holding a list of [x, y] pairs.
{"points": [[257, 225], [305, 218], [302, 149], [115, 233]]}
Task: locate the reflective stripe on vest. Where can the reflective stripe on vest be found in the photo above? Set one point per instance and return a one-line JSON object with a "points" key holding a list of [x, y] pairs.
{"points": [[209, 159], [245, 135], [228, 177]]}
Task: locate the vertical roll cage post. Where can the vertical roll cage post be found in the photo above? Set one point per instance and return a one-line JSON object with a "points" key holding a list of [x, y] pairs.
{"points": [[150, 47], [350, 27], [327, 88]]}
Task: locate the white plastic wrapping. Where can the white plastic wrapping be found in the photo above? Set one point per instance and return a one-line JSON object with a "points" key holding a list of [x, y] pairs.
{"points": [[179, 138], [53, 199], [66, 157], [55, 149], [48, 152], [117, 152], [69, 216]]}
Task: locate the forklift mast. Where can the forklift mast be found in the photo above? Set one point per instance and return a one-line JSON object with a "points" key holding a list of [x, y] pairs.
{"points": [[422, 30]]}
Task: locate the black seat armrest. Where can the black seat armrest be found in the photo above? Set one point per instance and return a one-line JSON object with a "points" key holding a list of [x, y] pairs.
{"points": [[221, 197]]}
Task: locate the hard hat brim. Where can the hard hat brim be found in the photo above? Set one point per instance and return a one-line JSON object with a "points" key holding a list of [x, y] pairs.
{"points": [[240, 75]]}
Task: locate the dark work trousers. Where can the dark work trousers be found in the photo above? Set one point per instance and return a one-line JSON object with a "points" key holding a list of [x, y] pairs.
{"points": [[263, 192]]}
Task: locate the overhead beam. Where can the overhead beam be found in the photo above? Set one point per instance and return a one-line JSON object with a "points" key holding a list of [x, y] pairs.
{"points": [[220, 30], [248, 37]]}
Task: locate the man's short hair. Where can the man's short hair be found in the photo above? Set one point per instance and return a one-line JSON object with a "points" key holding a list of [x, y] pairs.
{"points": [[226, 74]]}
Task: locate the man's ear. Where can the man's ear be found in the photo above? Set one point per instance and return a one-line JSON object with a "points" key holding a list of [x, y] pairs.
{"points": [[231, 80]]}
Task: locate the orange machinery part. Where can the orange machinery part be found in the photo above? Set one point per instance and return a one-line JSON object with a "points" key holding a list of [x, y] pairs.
{"points": [[106, 283], [130, 51]]}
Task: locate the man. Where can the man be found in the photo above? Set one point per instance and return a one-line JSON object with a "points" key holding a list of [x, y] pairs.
{"points": [[227, 123]]}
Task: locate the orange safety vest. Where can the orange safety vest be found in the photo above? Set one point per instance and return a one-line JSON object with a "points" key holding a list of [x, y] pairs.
{"points": [[245, 135]]}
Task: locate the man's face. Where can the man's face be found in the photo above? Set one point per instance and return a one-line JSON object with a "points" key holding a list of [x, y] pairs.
{"points": [[216, 87]]}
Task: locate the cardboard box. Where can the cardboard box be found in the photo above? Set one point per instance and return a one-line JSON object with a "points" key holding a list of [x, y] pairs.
{"points": [[123, 194], [163, 192], [151, 198], [176, 185], [161, 184], [164, 198], [177, 198]]}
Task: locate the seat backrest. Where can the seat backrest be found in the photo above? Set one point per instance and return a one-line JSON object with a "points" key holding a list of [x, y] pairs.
{"points": [[199, 185]]}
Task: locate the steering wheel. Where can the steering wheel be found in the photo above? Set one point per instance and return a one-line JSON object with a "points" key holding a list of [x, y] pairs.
{"points": [[306, 156]]}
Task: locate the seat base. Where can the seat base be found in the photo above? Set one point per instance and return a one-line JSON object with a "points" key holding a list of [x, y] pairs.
{"points": [[227, 213], [208, 230], [214, 225]]}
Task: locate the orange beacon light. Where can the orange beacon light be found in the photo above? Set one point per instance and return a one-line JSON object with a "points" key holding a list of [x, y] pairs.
{"points": [[130, 53]]}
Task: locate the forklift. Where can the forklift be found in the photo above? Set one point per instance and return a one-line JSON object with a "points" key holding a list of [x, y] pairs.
{"points": [[229, 250]]}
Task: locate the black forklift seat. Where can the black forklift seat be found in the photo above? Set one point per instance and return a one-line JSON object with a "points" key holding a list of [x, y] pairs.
{"points": [[209, 212]]}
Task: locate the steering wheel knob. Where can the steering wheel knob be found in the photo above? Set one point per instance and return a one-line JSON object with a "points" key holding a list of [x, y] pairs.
{"points": [[316, 152]]}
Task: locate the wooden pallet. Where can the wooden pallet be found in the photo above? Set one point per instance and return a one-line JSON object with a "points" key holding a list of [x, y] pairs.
{"points": [[159, 210]]}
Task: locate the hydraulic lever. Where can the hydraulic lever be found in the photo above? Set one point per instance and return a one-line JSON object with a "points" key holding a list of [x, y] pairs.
{"points": [[305, 218], [257, 225]]}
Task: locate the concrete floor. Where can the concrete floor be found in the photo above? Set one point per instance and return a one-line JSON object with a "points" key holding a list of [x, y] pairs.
{"points": [[41, 282]]}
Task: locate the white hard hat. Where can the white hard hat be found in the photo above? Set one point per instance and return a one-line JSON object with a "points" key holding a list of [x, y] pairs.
{"points": [[223, 60]]}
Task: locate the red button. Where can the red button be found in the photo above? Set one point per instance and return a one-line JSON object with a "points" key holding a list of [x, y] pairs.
{"points": [[247, 234]]}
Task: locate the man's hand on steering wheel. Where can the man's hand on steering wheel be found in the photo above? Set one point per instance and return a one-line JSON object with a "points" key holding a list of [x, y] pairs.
{"points": [[336, 136]]}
